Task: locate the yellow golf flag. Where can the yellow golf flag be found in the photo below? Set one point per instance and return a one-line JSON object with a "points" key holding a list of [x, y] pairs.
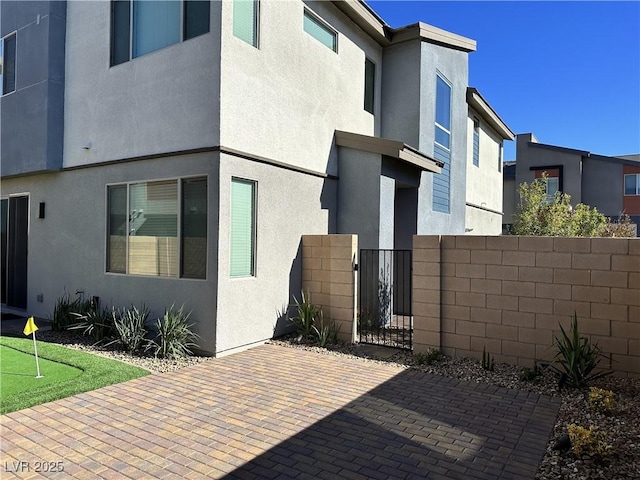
{"points": [[30, 327]]}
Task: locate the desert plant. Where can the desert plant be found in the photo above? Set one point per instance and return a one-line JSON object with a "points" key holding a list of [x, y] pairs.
{"points": [[589, 441], [95, 323], [428, 357], [305, 320], [130, 326], [174, 337], [601, 400], [326, 331], [63, 309], [577, 357], [530, 374], [488, 363], [623, 227]]}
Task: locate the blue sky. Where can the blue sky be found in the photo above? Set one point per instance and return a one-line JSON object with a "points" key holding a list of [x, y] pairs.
{"points": [[567, 71]]}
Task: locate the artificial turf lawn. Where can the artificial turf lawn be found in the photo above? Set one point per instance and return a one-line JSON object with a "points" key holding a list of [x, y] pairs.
{"points": [[82, 372]]}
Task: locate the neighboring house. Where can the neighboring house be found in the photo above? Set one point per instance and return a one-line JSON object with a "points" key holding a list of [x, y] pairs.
{"points": [[485, 135], [175, 152], [610, 184]]}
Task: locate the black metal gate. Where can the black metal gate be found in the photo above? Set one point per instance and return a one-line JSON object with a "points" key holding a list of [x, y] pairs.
{"points": [[384, 294]]}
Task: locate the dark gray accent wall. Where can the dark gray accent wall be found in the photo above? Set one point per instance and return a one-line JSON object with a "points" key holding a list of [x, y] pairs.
{"points": [[32, 117], [602, 186]]}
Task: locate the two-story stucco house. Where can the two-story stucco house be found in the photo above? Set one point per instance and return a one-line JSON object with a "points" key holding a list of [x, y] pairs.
{"points": [[610, 184], [176, 151]]}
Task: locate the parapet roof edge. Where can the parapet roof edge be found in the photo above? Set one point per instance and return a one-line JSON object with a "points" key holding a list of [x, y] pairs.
{"points": [[486, 111]]}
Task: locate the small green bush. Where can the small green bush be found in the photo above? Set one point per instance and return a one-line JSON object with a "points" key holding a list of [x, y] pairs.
{"points": [[326, 332], [174, 337], [589, 441], [305, 321], [63, 318], [530, 374], [427, 358], [96, 323], [577, 357], [131, 327]]}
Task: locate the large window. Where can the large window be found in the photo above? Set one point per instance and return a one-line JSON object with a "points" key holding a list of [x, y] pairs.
{"points": [[143, 234], [139, 27], [246, 20], [442, 147], [320, 31], [476, 142], [632, 184], [243, 227], [369, 85], [8, 64]]}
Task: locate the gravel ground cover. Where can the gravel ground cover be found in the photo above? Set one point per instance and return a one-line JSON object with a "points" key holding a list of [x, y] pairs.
{"points": [[621, 427]]}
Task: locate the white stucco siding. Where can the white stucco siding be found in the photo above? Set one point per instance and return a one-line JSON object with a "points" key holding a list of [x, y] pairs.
{"points": [[284, 99], [165, 101], [484, 182], [288, 205]]}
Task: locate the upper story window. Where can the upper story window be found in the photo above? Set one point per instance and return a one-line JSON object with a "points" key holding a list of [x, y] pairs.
{"points": [[443, 112], [139, 27], [476, 142], [632, 184], [8, 64], [245, 20], [552, 181], [369, 85], [158, 228], [500, 149], [321, 31]]}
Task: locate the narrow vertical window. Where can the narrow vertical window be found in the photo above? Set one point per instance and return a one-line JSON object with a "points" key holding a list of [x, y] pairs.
{"points": [[369, 85], [8, 64], [500, 157], [243, 228], [245, 20], [442, 146], [320, 31], [476, 142], [156, 25], [117, 229], [120, 31], [194, 228]]}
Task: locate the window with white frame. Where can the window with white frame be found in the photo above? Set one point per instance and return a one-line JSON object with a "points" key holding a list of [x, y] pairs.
{"points": [[158, 228], [320, 30], [139, 27], [8, 64], [552, 187], [243, 228], [246, 20], [632, 184]]}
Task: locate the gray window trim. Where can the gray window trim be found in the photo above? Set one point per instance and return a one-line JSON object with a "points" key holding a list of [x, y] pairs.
{"points": [[15, 80]]}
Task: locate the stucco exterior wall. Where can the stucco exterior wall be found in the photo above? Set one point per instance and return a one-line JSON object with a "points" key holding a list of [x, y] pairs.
{"points": [[289, 204], [602, 186], [484, 182], [285, 99], [165, 101], [32, 116], [453, 66], [67, 249]]}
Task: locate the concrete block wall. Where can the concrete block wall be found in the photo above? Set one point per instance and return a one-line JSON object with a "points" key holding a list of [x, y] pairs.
{"points": [[510, 294], [328, 277]]}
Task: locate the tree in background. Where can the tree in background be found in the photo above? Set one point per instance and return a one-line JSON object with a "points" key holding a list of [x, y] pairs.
{"points": [[541, 215]]}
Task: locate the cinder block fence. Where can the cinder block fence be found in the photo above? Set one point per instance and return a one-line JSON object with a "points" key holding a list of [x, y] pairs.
{"points": [[509, 295]]}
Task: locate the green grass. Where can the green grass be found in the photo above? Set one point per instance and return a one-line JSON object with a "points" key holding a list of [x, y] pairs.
{"points": [[66, 372]]}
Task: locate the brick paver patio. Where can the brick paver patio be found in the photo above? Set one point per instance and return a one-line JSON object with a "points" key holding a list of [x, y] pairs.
{"points": [[279, 412]]}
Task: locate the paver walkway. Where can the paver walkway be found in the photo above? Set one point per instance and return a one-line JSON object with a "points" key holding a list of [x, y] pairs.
{"points": [[280, 412]]}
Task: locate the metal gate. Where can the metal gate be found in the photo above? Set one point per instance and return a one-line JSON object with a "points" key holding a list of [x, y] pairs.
{"points": [[384, 294]]}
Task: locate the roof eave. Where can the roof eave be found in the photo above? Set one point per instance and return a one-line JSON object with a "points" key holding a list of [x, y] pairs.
{"points": [[432, 34], [475, 100]]}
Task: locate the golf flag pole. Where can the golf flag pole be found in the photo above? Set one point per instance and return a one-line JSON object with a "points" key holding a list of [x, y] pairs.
{"points": [[30, 328]]}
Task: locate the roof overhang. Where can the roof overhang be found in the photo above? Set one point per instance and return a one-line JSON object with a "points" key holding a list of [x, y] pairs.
{"points": [[390, 148], [368, 20], [480, 105], [432, 34]]}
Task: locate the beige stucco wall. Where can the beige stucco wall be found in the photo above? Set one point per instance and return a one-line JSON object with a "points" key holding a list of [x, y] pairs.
{"points": [[484, 182], [510, 294]]}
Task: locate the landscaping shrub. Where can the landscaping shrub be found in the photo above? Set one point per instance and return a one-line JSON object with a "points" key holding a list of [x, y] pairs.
{"points": [[305, 321], [96, 323], [577, 357], [326, 332], [428, 357], [488, 363], [530, 374], [601, 400], [63, 310], [130, 326], [589, 441], [174, 337]]}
